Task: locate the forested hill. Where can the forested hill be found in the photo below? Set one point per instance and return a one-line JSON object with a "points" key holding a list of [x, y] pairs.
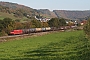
{"points": [[20, 11], [16, 9], [72, 14]]}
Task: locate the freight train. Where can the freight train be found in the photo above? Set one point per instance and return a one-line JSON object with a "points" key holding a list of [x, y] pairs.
{"points": [[31, 30], [34, 30]]}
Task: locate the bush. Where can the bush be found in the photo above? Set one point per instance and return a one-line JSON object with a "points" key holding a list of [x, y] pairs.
{"points": [[87, 28], [2, 33]]}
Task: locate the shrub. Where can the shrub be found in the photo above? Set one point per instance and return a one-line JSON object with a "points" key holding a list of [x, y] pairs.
{"points": [[2, 33], [87, 28]]}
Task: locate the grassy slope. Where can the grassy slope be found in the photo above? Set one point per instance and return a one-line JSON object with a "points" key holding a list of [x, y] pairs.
{"points": [[55, 46], [6, 15]]}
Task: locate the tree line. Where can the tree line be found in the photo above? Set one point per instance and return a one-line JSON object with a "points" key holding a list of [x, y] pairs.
{"points": [[7, 24]]}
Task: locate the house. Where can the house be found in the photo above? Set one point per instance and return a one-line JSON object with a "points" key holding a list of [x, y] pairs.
{"points": [[83, 22]]}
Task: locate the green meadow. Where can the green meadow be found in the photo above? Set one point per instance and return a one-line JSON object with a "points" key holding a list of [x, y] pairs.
{"points": [[54, 46]]}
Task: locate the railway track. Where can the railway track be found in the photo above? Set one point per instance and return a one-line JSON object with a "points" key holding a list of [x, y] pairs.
{"points": [[17, 37], [11, 37]]}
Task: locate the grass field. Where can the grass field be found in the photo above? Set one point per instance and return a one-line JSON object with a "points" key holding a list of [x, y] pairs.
{"points": [[54, 46]]}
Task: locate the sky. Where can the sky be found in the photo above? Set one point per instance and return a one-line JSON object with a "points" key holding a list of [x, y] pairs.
{"points": [[54, 4]]}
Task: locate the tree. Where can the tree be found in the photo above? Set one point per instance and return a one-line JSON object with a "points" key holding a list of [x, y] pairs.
{"points": [[36, 23], [1, 26], [62, 22], [28, 24], [19, 25], [8, 25], [44, 24], [87, 28], [17, 20], [18, 14], [6, 22], [54, 22]]}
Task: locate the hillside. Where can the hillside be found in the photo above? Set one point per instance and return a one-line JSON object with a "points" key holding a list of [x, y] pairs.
{"points": [[16, 9], [47, 13], [6, 15], [20, 11], [71, 14]]}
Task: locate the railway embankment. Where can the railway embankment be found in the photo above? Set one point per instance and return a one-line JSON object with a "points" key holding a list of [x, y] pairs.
{"points": [[17, 37]]}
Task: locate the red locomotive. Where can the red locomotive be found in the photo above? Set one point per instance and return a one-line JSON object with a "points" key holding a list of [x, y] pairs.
{"points": [[15, 32]]}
